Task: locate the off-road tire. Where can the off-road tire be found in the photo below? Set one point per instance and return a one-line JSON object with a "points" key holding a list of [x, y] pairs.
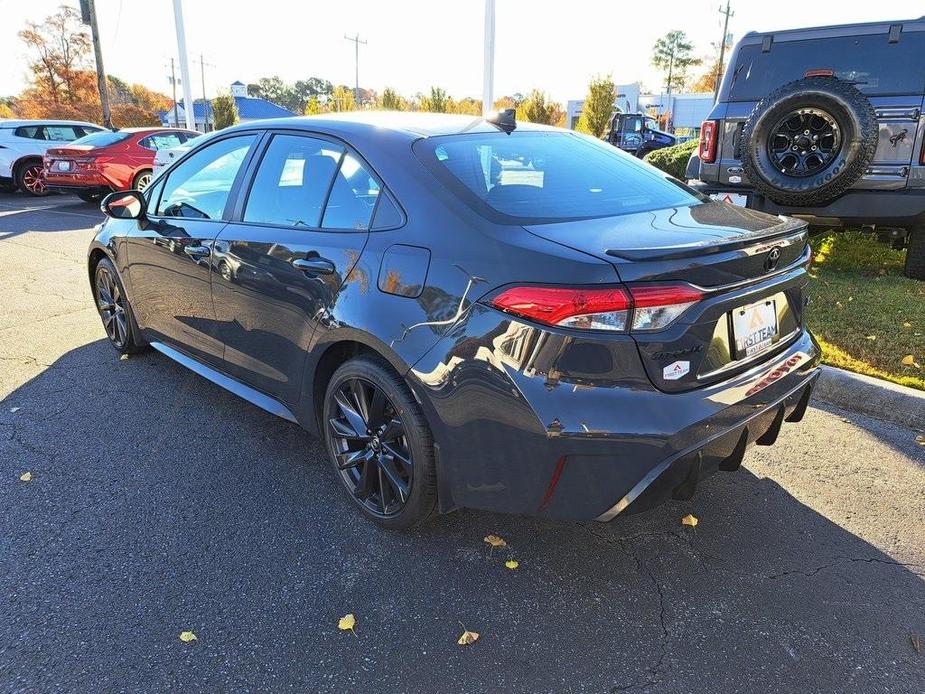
{"points": [[915, 254], [857, 122], [421, 502]]}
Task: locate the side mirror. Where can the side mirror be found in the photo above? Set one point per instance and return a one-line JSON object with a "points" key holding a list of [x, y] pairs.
{"points": [[124, 204]]}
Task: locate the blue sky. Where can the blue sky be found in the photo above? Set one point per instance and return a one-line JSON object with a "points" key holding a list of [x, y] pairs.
{"points": [[413, 44]]}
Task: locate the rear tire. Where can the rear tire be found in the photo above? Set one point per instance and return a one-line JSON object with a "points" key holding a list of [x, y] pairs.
{"points": [[115, 311], [386, 445], [915, 254], [142, 180], [29, 177]]}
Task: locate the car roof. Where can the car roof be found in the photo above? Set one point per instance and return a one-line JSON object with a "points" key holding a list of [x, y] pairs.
{"points": [[845, 29], [407, 124], [19, 122]]}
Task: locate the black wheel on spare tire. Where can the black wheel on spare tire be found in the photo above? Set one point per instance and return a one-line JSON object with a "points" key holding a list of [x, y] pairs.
{"points": [[807, 142], [380, 443], [915, 254]]}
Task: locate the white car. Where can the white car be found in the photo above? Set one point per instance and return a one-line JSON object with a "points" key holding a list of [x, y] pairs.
{"points": [[22, 144], [165, 157]]}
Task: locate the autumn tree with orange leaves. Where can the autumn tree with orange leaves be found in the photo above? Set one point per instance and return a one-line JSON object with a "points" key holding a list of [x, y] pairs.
{"points": [[63, 81]]}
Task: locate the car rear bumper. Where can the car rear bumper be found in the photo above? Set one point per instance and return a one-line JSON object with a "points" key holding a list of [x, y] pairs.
{"points": [[522, 425], [901, 208]]}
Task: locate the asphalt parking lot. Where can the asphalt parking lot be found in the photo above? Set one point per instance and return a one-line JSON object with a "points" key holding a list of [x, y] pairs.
{"points": [[160, 503]]}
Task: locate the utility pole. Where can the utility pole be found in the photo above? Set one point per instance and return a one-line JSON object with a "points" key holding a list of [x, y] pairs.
{"points": [[356, 65], [184, 65], [173, 82], [88, 16], [207, 107], [488, 66], [722, 48]]}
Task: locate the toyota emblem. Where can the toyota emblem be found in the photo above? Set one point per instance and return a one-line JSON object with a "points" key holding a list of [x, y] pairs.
{"points": [[770, 262]]}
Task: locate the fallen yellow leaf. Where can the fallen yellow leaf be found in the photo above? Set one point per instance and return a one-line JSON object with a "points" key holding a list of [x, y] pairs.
{"points": [[347, 622], [512, 563], [25, 477], [916, 643], [909, 360], [495, 541], [920, 440], [123, 357], [187, 636], [907, 324], [468, 637], [870, 337], [690, 520]]}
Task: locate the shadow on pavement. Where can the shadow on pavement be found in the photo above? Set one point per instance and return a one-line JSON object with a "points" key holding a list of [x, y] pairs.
{"points": [[160, 503]]}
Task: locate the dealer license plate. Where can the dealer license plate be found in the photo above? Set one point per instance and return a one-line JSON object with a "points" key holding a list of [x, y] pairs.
{"points": [[754, 327], [63, 166]]}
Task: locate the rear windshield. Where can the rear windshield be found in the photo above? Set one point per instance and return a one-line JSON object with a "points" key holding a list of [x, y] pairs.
{"points": [[871, 62], [536, 177], [102, 139]]}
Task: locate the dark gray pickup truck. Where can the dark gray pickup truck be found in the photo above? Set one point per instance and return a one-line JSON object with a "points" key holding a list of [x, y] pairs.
{"points": [[825, 124]]}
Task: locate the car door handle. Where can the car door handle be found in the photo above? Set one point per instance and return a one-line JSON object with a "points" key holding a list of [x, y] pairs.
{"points": [[197, 251], [314, 265]]}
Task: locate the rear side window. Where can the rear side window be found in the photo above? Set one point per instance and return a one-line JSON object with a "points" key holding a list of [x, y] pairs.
{"points": [[199, 186], [353, 197], [873, 64], [292, 181], [533, 177]]}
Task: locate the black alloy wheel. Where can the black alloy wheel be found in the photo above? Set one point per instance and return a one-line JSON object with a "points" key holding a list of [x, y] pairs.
{"points": [[804, 142], [114, 308], [379, 442]]}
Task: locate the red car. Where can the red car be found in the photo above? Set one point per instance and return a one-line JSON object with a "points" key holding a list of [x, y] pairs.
{"points": [[102, 162]]}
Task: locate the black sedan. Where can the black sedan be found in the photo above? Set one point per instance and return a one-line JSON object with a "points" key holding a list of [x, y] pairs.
{"points": [[471, 312]]}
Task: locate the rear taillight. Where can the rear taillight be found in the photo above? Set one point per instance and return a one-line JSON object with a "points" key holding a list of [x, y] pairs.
{"points": [[708, 136], [656, 307], [642, 308]]}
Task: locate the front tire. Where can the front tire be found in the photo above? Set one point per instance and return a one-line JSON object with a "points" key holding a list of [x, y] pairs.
{"points": [[379, 443], [915, 254], [115, 311]]}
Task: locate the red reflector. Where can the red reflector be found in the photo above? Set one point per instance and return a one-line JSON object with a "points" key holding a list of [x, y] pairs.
{"points": [[552, 305], [708, 138], [664, 295], [818, 73]]}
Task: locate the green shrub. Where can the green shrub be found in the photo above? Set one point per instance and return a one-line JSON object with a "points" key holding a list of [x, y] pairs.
{"points": [[673, 160]]}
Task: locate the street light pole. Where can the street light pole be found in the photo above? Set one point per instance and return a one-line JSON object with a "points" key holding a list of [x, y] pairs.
{"points": [[356, 66], [488, 66], [100, 70], [184, 65]]}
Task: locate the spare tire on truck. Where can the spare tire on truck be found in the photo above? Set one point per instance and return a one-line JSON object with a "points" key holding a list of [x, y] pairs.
{"points": [[807, 142]]}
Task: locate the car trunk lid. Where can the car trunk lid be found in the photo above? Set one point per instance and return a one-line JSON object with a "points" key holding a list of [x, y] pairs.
{"points": [[749, 266]]}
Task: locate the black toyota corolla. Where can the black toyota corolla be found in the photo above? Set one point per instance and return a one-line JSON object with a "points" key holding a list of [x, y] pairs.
{"points": [[470, 312]]}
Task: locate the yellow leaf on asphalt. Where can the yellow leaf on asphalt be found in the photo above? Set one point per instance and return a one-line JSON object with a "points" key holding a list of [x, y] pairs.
{"points": [[495, 541], [124, 357], [512, 563], [187, 636], [690, 520], [25, 477], [468, 637], [916, 643], [920, 440], [347, 622]]}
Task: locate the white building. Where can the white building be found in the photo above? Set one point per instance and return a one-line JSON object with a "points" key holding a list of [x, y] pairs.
{"points": [[688, 111]]}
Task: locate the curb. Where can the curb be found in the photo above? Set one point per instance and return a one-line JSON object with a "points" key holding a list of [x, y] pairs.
{"points": [[872, 396]]}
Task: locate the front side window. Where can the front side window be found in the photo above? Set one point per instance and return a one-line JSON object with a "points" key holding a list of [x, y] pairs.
{"points": [[533, 177], [199, 186], [292, 181]]}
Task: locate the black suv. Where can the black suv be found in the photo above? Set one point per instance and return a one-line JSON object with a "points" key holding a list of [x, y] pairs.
{"points": [[825, 124], [637, 134]]}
